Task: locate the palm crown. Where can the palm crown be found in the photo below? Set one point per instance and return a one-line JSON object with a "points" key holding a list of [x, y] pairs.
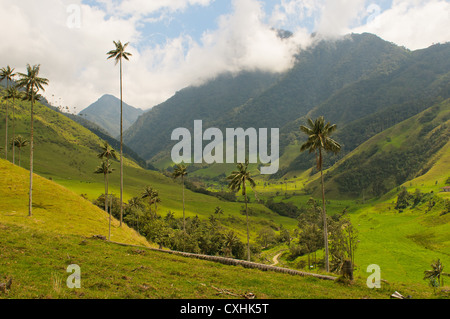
{"points": [[119, 52], [319, 138], [107, 152], [13, 93], [31, 80], [7, 73], [104, 168], [179, 171], [239, 178]]}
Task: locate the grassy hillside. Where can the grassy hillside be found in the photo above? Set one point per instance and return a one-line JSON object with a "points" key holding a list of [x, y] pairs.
{"points": [[37, 262], [37, 250], [403, 243], [399, 154], [56, 209], [66, 152]]}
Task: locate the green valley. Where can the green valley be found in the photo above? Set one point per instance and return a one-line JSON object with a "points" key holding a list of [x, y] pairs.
{"points": [[370, 117]]}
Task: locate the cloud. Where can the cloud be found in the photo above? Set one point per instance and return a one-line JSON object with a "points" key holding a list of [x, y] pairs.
{"points": [[336, 17], [74, 59], [244, 41], [414, 24], [70, 40]]}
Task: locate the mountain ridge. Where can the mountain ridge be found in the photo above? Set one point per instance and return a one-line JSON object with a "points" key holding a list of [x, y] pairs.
{"points": [[105, 112]]}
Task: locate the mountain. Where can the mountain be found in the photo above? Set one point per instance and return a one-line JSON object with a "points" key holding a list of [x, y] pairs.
{"points": [[106, 113], [399, 154], [150, 134], [370, 106], [321, 71], [362, 83]]}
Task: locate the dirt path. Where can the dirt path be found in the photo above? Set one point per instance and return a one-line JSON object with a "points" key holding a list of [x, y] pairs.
{"points": [[275, 258]]}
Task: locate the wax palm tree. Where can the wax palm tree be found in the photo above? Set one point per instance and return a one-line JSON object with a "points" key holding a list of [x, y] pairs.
{"points": [[239, 179], [152, 195], [14, 94], [181, 171], [135, 205], [20, 143], [105, 169], [436, 274], [32, 83], [230, 240], [107, 153], [319, 141], [8, 74], [118, 54], [218, 211], [156, 200], [148, 194]]}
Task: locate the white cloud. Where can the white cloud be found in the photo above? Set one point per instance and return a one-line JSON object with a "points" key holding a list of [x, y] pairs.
{"points": [[337, 16], [244, 41], [414, 24], [74, 59]]}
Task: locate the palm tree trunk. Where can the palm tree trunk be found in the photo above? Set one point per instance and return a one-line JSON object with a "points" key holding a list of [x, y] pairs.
{"points": [[121, 146], [184, 218], [19, 156], [6, 133], [248, 231], [106, 192], [106, 199], [30, 199], [14, 132], [6, 121], [324, 213]]}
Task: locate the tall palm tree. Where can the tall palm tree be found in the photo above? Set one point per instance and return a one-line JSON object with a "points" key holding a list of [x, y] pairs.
{"points": [[181, 171], [135, 206], [13, 93], [20, 143], [152, 195], [239, 179], [8, 74], [436, 273], [118, 54], [230, 240], [218, 211], [107, 153], [32, 83], [319, 141], [105, 169], [156, 200]]}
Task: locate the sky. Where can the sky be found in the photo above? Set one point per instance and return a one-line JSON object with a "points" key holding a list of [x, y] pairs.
{"points": [[178, 43]]}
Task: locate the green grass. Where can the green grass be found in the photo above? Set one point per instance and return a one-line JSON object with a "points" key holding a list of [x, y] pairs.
{"points": [[404, 245], [37, 250], [55, 208], [67, 153], [37, 262]]}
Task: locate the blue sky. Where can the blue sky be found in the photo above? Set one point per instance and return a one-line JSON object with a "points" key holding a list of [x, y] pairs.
{"points": [[178, 43], [195, 19]]}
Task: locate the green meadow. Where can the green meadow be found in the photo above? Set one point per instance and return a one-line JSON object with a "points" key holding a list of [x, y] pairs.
{"points": [[36, 250]]}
